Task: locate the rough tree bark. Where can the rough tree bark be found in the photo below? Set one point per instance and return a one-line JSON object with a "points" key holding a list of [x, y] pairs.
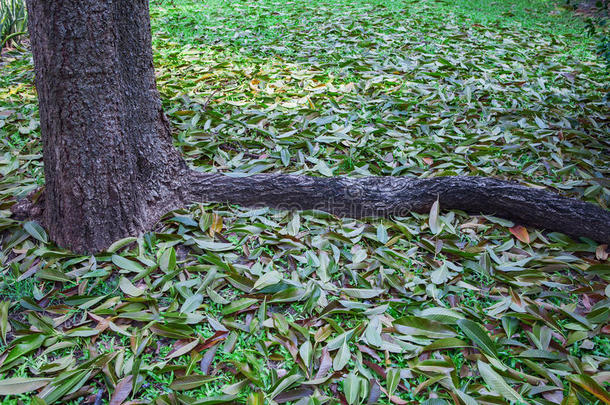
{"points": [[111, 169], [110, 166]]}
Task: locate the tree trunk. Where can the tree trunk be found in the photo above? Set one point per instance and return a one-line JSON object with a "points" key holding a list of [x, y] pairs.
{"points": [[108, 156], [111, 170]]}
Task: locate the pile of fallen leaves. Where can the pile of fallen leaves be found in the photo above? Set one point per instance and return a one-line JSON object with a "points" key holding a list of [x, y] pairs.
{"points": [[221, 304]]}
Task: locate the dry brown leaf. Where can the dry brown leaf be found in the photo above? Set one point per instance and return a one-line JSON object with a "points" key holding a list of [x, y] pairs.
{"points": [[520, 233]]}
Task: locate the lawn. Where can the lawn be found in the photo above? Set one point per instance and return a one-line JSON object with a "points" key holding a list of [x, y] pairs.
{"points": [[224, 304]]}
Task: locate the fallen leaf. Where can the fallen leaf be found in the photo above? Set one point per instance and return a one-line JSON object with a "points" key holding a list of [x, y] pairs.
{"points": [[122, 390], [520, 233]]}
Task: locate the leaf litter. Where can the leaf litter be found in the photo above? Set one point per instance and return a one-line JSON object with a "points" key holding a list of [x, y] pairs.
{"points": [[222, 304]]}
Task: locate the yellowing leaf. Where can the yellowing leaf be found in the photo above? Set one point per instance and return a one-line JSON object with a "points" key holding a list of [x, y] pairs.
{"points": [[592, 386], [216, 226]]}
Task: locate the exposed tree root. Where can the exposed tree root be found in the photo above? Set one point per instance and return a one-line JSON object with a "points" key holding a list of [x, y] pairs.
{"points": [[387, 196], [30, 207]]}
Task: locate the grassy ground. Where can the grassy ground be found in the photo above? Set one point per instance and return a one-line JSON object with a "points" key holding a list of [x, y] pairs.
{"points": [[222, 304]]}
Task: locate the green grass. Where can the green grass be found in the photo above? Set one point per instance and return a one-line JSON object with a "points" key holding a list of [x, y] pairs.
{"points": [[359, 87], [553, 17], [261, 29], [13, 22], [538, 16]]}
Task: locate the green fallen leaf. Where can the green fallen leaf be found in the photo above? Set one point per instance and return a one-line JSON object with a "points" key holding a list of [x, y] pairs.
{"points": [[36, 231], [20, 385], [497, 383], [479, 336], [190, 382], [128, 288]]}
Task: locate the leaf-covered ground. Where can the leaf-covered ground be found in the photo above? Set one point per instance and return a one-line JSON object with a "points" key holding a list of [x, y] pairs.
{"points": [[222, 304]]}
